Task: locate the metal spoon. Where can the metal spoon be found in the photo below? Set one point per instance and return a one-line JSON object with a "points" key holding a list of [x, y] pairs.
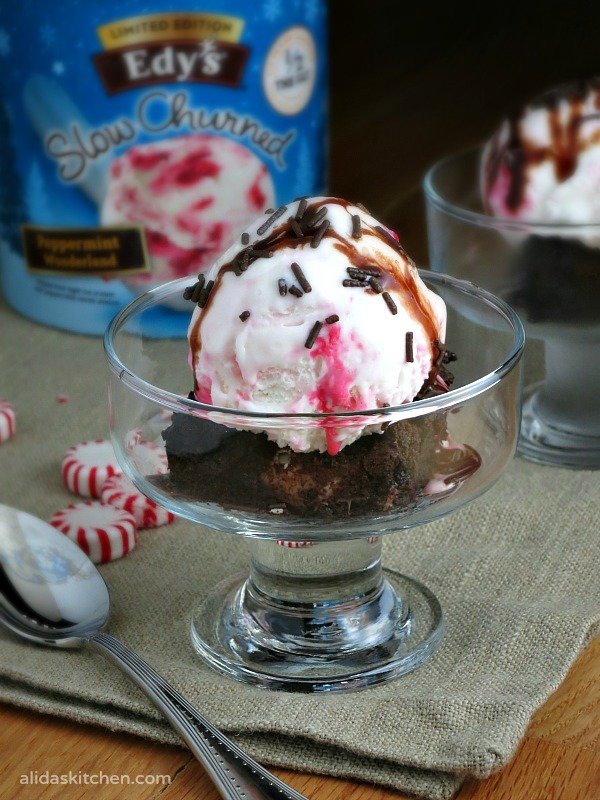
{"points": [[52, 594]]}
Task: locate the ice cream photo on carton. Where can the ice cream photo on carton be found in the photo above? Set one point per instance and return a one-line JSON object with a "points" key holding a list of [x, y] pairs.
{"points": [[191, 193]]}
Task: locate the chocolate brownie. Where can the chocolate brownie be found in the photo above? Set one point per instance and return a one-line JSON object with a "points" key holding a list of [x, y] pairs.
{"points": [[557, 280], [239, 469], [244, 470]]}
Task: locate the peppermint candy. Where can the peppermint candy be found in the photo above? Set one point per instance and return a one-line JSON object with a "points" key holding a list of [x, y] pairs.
{"points": [[102, 531], [120, 492], [290, 543], [86, 467], [8, 420]]}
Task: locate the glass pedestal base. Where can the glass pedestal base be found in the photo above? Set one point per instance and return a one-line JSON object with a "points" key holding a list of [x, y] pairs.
{"points": [[316, 633], [547, 443], [561, 419]]}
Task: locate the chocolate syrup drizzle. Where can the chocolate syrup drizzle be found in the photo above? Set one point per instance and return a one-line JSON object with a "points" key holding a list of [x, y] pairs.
{"points": [[452, 466], [565, 147]]}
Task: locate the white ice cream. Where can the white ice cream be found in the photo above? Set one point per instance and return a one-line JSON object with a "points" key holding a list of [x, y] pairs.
{"points": [[544, 165], [359, 362], [192, 194]]}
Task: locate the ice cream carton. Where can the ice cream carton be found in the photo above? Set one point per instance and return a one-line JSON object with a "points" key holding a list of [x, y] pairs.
{"points": [[138, 139]]}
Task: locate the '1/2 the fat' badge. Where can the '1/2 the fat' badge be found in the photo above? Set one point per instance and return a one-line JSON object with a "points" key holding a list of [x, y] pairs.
{"points": [[290, 70]]}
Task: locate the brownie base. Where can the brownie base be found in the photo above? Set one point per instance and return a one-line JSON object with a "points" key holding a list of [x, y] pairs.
{"points": [[557, 280], [245, 471]]}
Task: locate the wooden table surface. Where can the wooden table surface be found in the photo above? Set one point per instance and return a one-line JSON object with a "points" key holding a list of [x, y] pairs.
{"points": [[558, 759], [405, 91]]}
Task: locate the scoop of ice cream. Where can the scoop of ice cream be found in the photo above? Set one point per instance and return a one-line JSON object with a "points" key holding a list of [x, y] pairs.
{"points": [[192, 194], [317, 309], [544, 164]]}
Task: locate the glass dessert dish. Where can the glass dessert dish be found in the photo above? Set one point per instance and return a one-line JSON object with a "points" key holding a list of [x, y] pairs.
{"points": [[317, 612], [550, 273]]}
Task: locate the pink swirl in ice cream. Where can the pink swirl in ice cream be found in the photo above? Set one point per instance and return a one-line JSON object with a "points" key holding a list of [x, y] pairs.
{"points": [[319, 309], [544, 164], [192, 194]]}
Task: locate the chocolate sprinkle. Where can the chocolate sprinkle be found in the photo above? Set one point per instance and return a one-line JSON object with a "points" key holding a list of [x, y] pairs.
{"points": [[316, 218], [296, 229], [197, 293], [295, 291], [354, 282], [260, 253], [301, 209], [357, 273], [273, 218], [331, 319], [376, 285], [197, 289], [449, 356], [362, 273], [269, 210], [282, 287], [311, 220], [356, 227], [244, 261], [202, 300], [245, 238], [409, 347], [390, 303], [375, 272], [246, 256], [193, 292], [314, 332], [301, 278], [321, 231], [244, 315]]}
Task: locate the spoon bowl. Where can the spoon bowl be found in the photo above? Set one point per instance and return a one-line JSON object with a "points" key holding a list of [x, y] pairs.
{"points": [[50, 592]]}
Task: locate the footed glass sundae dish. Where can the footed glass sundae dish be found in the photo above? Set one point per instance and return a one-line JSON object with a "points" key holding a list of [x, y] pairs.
{"points": [[521, 217], [332, 394]]}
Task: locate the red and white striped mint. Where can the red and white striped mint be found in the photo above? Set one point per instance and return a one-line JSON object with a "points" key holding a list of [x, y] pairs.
{"points": [[147, 458], [289, 543], [103, 532], [120, 492], [87, 465], [8, 420]]}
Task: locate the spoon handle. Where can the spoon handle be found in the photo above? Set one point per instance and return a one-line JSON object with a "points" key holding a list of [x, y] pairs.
{"points": [[235, 774]]}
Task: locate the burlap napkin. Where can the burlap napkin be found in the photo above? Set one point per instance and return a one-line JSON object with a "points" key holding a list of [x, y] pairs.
{"points": [[516, 572]]}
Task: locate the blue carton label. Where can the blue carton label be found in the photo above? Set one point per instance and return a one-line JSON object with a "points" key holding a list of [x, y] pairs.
{"points": [[137, 139]]}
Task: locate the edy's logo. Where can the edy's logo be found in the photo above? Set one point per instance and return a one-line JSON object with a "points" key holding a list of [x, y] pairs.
{"points": [[171, 48]]}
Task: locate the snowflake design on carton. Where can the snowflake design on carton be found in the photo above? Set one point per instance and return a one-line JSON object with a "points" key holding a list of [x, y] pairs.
{"points": [[48, 35], [4, 43], [313, 9], [272, 9]]}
